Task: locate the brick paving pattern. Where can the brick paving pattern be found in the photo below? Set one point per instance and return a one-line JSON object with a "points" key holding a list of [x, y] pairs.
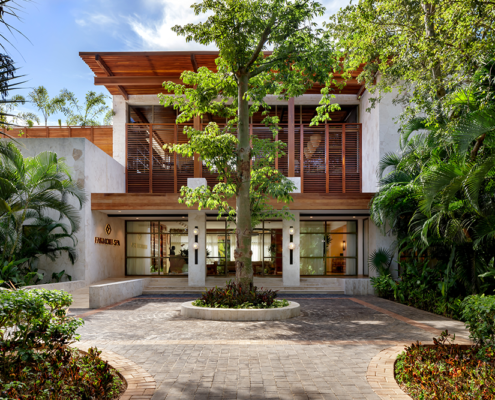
{"points": [[323, 354]]}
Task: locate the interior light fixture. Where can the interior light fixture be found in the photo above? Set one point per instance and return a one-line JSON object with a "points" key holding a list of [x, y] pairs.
{"points": [[310, 217], [291, 230], [196, 230], [196, 245], [120, 211], [343, 245], [137, 218], [292, 246]]}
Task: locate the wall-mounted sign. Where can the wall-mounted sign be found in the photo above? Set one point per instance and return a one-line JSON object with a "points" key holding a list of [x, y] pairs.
{"points": [[108, 229], [110, 242]]}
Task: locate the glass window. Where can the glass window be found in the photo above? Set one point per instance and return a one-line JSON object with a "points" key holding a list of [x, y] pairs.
{"points": [[328, 248], [266, 245], [157, 248]]}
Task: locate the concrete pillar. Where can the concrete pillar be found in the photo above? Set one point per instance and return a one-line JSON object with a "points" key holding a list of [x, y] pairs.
{"points": [[197, 271], [291, 272], [360, 247], [119, 124]]}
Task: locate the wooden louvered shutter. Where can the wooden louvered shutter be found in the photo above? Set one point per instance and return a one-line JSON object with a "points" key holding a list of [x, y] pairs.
{"points": [[334, 158], [352, 159], [163, 160], [313, 153], [283, 136], [185, 165], [138, 158]]}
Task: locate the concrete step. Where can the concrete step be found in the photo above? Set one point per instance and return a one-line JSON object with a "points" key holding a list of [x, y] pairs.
{"points": [[285, 290]]}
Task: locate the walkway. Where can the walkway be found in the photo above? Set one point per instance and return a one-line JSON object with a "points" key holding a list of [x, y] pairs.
{"points": [[323, 354]]}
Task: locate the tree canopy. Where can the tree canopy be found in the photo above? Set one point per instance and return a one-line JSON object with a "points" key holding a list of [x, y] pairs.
{"points": [[423, 48], [267, 47]]}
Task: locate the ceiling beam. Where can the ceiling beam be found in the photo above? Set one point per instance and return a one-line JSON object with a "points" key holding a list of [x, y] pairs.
{"points": [[135, 80], [360, 91], [109, 72], [103, 65], [194, 63]]}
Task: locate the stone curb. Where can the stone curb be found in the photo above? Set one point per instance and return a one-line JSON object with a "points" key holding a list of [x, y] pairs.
{"points": [[381, 376], [228, 314], [140, 384]]}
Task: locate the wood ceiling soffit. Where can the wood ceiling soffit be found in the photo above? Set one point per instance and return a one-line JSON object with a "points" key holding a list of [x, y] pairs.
{"points": [[109, 72], [135, 80]]}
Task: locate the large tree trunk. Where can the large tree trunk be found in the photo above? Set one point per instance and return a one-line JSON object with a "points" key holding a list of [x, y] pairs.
{"points": [[243, 264], [429, 10]]}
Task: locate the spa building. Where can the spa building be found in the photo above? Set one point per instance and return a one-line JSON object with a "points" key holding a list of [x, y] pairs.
{"points": [[135, 227]]}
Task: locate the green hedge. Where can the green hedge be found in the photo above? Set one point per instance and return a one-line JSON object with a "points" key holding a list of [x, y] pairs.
{"points": [[35, 359]]}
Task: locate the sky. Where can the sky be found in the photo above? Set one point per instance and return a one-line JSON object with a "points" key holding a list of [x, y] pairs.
{"points": [[57, 30]]}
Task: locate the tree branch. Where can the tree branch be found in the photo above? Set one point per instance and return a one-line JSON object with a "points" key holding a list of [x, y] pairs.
{"points": [[262, 42]]}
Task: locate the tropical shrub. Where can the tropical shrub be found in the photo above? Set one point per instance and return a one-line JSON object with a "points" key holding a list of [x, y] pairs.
{"points": [[447, 371], [479, 315], [35, 360], [234, 296], [37, 215]]}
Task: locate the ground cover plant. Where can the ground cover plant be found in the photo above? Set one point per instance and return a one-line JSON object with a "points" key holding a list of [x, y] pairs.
{"points": [[233, 295], [447, 371], [36, 361]]}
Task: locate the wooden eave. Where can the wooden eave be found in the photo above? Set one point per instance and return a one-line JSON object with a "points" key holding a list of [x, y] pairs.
{"points": [[170, 201], [142, 73]]}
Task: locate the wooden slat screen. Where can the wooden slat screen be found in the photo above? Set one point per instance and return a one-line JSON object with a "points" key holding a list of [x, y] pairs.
{"points": [[330, 155], [335, 159], [163, 160], [138, 158], [101, 136], [352, 159], [313, 149], [185, 165], [283, 136]]}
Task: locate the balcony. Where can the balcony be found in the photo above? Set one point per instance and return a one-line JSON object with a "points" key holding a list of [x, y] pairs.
{"points": [[327, 157]]}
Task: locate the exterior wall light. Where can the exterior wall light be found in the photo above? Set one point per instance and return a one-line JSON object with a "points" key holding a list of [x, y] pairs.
{"points": [[196, 244], [291, 244]]}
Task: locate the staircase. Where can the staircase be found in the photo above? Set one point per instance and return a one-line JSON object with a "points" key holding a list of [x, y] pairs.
{"points": [[307, 286]]}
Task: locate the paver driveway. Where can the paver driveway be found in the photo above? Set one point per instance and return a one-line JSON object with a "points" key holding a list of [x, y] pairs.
{"points": [[323, 354]]}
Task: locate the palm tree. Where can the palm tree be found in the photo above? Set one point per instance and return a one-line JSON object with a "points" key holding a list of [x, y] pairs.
{"points": [[90, 112], [36, 214]]}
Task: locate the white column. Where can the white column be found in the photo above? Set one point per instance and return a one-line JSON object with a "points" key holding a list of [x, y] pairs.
{"points": [[291, 272], [119, 123], [360, 249], [197, 272]]}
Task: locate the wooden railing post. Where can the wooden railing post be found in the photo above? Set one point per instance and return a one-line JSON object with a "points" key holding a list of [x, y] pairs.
{"points": [[291, 145], [126, 158], [327, 160], [92, 134], [301, 158], [360, 157], [47, 131], [150, 167], [175, 157], [343, 158]]}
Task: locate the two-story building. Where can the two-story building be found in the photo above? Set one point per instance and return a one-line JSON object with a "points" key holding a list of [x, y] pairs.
{"points": [[134, 197]]}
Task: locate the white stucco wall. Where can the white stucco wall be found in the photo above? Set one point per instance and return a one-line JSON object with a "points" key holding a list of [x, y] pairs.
{"points": [[380, 135], [97, 173]]}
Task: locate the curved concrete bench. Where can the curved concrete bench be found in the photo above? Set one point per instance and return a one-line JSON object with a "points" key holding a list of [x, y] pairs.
{"points": [[233, 314]]}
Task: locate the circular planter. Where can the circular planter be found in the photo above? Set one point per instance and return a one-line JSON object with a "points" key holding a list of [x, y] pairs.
{"points": [[234, 314]]}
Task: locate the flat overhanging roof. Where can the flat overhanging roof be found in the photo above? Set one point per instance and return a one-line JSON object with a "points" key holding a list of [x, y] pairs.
{"points": [[142, 73]]}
